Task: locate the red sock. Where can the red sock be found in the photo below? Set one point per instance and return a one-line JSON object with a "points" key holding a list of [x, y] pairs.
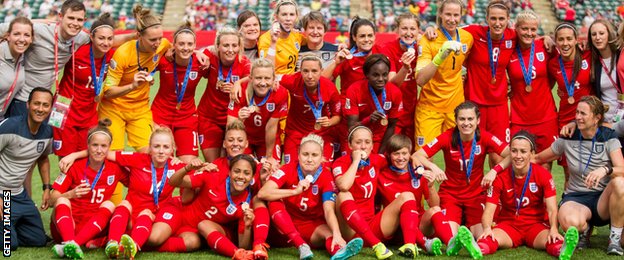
{"points": [[284, 223], [554, 249], [487, 245], [442, 227], [328, 244], [64, 222], [173, 245], [142, 229], [261, 225], [118, 223], [409, 224], [94, 226], [221, 244], [357, 222]]}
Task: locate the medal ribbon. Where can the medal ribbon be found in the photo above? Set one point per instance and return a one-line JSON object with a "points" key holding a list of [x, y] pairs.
{"points": [[606, 71], [316, 174], [591, 151], [375, 99], [448, 35], [317, 111], [407, 46], [355, 53], [6, 101], [180, 90], [252, 102], [526, 72], [468, 165], [364, 163], [97, 80], [526, 183], [229, 194], [493, 64], [229, 75], [568, 84], [157, 190], [97, 176]]}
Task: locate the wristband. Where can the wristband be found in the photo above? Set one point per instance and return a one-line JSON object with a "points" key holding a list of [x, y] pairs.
{"points": [[608, 169], [498, 168], [271, 52], [46, 187]]}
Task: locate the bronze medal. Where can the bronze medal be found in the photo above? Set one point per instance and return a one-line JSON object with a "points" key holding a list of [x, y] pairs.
{"points": [[570, 100], [97, 99], [317, 126], [219, 85], [528, 88], [384, 121], [253, 109], [178, 106], [493, 81]]}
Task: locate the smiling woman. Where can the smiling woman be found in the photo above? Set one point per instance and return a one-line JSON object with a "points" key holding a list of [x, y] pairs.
{"points": [[18, 39]]}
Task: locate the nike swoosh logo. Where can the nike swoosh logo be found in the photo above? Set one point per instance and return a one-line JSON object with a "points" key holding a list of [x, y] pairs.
{"points": [[168, 72], [359, 105], [453, 152], [212, 193], [510, 190], [147, 170], [82, 67], [195, 149], [513, 60], [297, 95], [482, 40], [356, 68], [387, 184]]}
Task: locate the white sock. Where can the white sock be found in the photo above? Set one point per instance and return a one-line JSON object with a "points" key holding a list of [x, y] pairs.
{"points": [[615, 235]]}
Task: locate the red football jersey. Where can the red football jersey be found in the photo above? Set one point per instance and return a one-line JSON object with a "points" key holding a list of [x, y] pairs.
{"points": [[276, 106], [300, 116], [309, 204], [533, 209], [478, 85], [456, 184], [212, 202], [140, 190], [351, 71], [360, 103], [166, 100], [365, 184], [583, 86], [213, 104], [524, 104], [103, 190], [77, 83], [392, 184], [409, 88]]}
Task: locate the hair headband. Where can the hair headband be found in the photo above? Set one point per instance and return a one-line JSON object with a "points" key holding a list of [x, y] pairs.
{"points": [[99, 132], [100, 26], [525, 138], [187, 30], [565, 25], [355, 129]]}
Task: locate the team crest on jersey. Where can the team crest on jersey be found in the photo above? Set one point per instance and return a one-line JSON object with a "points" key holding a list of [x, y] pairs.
{"points": [[540, 56], [421, 141], [201, 139], [508, 44], [57, 144], [286, 158], [315, 189], [416, 183], [235, 78], [598, 148], [40, 146], [193, 75], [584, 65], [371, 172], [464, 48], [155, 59], [347, 103], [297, 46], [387, 105], [231, 209], [167, 216], [477, 149], [325, 56], [110, 180], [270, 107], [533, 187], [60, 179]]}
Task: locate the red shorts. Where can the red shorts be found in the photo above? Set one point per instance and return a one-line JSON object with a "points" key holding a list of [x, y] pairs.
{"points": [[375, 225], [171, 215], [69, 139], [211, 134], [545, 133], [457, 210], [184, 134], [306, 228], [495, 120], [293, 141], [522, 235], [79, 222]]}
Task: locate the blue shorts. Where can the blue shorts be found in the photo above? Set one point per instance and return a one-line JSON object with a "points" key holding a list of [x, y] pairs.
{"points": [[589, 200], [26, 225]]}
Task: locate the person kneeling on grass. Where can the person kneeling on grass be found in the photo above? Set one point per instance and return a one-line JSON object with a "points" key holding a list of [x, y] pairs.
{"points": [[526, 193], [81, 197]]}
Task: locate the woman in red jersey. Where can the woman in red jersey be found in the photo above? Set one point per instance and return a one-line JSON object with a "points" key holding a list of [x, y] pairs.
{"points": [[149, 198], [531, 86], [306, 213], [261, 110], [356, 178], [174, 104], [402, 53], [462, 188], [82, 82], [227, 66], [521, 220], [81, 196], [223, 206], [401, 177], [314, 107], [375, 102]]}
